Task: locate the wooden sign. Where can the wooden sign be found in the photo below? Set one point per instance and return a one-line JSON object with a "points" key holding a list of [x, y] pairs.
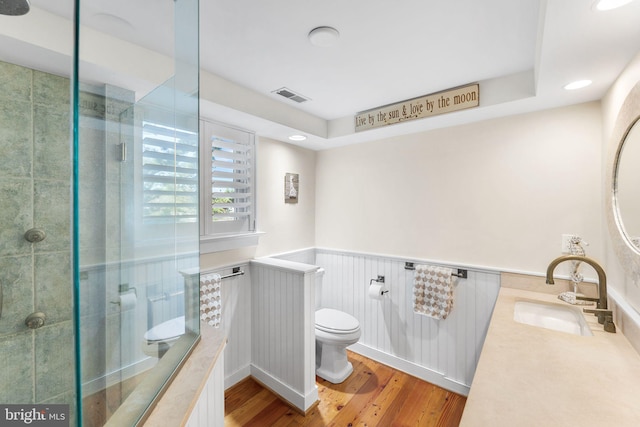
{"points": [[417, 108]]}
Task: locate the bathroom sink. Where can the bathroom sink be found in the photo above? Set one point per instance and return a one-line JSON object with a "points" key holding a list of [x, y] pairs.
{"points": [[551, 316]]}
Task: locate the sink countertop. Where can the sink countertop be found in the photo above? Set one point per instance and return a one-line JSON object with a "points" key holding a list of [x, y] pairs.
{"points": [[530, 376]]}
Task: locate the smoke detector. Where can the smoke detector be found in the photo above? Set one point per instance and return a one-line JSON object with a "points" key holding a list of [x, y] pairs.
{"points": [[289, 94]]}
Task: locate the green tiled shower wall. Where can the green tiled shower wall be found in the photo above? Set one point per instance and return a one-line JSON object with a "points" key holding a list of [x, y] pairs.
{"points": [[35, 176]]}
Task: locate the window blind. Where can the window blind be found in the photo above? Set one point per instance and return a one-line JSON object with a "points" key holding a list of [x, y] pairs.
{"points": [[231, 180], [170, 174]]}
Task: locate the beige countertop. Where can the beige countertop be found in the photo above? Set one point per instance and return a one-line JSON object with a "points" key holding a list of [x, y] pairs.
{"points": [[176, 404], [530, 376]]}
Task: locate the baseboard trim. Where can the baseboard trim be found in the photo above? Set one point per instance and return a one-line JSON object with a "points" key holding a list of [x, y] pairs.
{"points": [[292, 397], [411, 368], [237, 376]]}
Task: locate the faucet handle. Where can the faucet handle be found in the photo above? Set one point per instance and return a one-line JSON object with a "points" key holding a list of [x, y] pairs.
{"points": [[609, 326], [596, 300], [604, 316], [580, 297], [598, 311]]}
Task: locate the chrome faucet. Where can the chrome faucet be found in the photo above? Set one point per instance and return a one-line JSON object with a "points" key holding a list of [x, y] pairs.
{"points": [[605, 316]]}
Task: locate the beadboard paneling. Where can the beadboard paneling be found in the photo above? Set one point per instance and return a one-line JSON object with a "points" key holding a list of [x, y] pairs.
{"points": [[449, 348], [444, 352], [236, 323], [305, 256], [283, 337], [209, 409]]}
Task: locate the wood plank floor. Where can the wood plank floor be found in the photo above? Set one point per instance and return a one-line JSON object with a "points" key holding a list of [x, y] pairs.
{"points": [[374, 395]]}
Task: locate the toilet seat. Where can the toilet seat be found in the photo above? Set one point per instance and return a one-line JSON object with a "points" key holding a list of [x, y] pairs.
{"points": [[165, 331], [159, 339], [336, 322]]}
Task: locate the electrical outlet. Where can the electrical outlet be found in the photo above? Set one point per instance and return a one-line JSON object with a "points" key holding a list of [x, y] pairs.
{"points": [[566, 243]]}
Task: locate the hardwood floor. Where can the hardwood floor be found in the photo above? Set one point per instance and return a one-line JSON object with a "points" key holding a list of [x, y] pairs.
{"points": [[374, 395]]}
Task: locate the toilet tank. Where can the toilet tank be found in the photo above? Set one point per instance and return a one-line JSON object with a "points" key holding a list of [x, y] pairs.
{"points": [[319, 276]]}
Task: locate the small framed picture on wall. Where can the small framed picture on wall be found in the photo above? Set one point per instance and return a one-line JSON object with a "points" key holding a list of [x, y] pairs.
{"points": [[291, 188]]}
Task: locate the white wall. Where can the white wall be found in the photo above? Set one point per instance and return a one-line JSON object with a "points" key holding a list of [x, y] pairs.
{"points": [[497, 193], [287, 227]]}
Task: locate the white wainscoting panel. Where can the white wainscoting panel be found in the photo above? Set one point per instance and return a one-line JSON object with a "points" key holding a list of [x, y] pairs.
{"points": [[263, 308], [209, 409], [236, 323], [305, 256], [444, 352], [283, 329]]}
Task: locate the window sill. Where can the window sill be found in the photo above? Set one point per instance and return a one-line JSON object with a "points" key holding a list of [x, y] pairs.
{"points": [[225, 242]]}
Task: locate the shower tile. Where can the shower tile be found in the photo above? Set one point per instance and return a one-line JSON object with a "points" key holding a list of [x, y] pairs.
{"points": [[16, 383], [53, 291], [54, 360], [92, 105], [15, 216], [66, 398], [92, 152], [52, 213], [92, 340], [17, 289], [92, 294], [16, 146], [51, 143], [112, 221], [91, 207], [50, 89], [15, 82], [119, 103]]}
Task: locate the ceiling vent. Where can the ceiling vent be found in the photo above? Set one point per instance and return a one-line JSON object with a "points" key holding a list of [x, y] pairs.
{"points": [[289, 94]]}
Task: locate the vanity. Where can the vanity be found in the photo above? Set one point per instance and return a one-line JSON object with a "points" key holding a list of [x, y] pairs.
{"points": [[533, 376], [537, 373]]}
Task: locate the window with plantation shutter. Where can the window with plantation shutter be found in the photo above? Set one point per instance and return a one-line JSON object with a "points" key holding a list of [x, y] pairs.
{"points": [[169, 174], [228, 158]]}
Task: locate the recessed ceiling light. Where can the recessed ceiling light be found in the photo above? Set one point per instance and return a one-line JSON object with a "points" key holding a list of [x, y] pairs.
{"points": [[297, 137], [323, 36], [578, 84], [610, 4]]}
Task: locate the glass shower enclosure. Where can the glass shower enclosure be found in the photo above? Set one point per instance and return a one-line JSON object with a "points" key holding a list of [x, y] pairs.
{"points": [[99, 244]]}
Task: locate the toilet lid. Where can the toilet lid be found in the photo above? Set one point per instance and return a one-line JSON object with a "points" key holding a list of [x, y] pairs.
{"points": [[166, 330], [335, 321]]}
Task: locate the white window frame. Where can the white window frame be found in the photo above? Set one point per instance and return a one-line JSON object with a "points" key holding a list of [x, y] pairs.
{"points": [[218, 235]]}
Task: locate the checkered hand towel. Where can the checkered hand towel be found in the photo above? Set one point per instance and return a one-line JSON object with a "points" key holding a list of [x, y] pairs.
{"points": [[432, 291], [210, 299]]}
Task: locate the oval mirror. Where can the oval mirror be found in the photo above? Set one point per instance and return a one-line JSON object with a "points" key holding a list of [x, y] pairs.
{"points": [[627, 186]]}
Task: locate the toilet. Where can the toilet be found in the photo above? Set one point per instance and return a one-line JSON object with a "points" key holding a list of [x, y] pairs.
{"points": [[335, 331], [159, 339]]}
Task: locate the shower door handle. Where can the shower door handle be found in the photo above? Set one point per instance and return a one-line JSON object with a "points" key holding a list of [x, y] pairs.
{"points": [[1, 299]]}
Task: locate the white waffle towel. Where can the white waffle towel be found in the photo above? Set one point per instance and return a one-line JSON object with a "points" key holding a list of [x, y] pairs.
{"points": [[432, 291], [210, 299]]}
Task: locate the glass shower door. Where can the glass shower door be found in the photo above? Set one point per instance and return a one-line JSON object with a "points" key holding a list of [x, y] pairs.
{"points": [[136, 232]]}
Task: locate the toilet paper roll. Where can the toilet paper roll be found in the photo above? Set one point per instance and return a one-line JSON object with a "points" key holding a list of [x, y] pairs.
{"points": [[127, 301], [377, 291]]}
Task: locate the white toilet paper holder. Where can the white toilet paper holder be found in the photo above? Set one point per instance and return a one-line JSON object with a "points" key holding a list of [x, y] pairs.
{"points": [[124, 289], [380, 279]]}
